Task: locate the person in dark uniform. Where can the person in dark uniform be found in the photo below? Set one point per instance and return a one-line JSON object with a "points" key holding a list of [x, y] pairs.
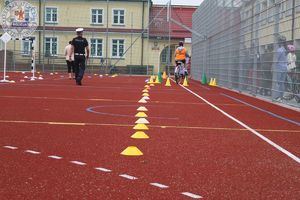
{"points": [[81, 51]]}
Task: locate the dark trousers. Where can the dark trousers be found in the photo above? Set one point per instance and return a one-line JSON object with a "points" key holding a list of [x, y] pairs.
{"points": [[70, 65], [79, 66]]}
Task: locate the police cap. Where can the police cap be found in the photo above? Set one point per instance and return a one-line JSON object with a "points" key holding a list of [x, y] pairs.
{"points": [[79, 30]]}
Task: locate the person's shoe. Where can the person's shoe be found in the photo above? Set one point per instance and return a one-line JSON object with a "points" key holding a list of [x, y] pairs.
{"points": [[78, 83]]}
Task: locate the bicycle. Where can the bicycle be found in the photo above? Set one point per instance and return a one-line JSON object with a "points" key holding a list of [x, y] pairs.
{"points": [[180, 72], [293, 86]]}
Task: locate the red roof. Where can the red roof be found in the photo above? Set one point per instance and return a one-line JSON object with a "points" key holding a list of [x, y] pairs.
{"points": [[160, 25]]}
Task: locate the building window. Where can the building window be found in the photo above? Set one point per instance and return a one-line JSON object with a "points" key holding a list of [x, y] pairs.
{"points": [[256, 13], [50, 46], [96, 47], [247, 21], [264, 7], [271, 11], [118, 17], [282, 10], [164, 55], [117, 48], [257, 9], [297, 5], [51, 15], [297, 44], [289, 7], [97, 16], [26, 47], [27, 15]]}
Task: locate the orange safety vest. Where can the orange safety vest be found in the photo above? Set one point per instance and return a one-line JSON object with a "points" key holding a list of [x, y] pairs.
{"points": [[180, 55]]}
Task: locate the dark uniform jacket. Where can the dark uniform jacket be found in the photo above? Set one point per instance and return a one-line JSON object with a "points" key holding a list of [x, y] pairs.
{"points": [[79, 44]]}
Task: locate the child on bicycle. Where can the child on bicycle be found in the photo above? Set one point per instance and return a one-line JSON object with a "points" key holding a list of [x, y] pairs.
{"points": [[180, 57]]}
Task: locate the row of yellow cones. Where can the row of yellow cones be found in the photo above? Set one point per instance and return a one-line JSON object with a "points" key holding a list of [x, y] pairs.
{"points": [[185, 82], [168, 82], [140, 125]]}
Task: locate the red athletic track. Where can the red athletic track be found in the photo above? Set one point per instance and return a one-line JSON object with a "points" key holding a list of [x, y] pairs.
{"points": [[192, 147]]}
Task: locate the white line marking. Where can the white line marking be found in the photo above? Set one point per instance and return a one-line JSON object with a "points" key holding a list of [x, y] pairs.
{"points": [[55, 157], [10, 147], [289, 154], [128, 177], [159, 185], [32, 152], [195, 196], [103, 169], [77, 162]]}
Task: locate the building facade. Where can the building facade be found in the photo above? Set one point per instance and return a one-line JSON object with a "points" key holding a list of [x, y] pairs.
{"points": [[165, 34], [110, 27], [117, 32]]}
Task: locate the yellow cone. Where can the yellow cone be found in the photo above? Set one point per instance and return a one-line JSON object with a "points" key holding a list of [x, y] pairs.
{"points": [[142, 100], [168, 83], [146, 98], [142, 108], [150, 81], [140, 135], [211, 81], [185, 83], [132, 151], [164, 76], [141, 115], [141, 127], [142, 121], [145, 90], [214, 83], [157, 80], [145, 94]]}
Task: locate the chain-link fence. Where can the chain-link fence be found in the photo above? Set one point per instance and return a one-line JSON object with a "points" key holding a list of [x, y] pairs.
{"points": [[248, 47]]}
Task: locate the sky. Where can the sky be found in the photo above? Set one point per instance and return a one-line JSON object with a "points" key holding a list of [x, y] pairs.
{"points": [[179, 2]]}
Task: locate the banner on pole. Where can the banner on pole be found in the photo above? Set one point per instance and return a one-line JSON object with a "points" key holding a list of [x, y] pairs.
{"points": [[5, 37]]}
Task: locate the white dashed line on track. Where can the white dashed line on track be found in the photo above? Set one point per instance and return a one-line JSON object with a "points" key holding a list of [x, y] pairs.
{"points": [[33, 152], [128, 176], [103, 169], [194, 196], [55, 157], [77, 162], [159, 185], [10, 147]]}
